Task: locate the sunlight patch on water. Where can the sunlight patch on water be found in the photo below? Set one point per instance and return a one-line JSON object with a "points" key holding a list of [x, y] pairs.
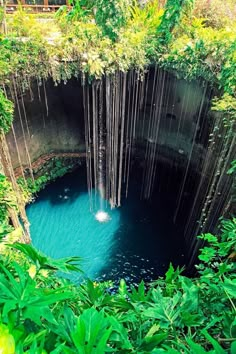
{"points": [[133, 245], [102, 216], [65, 227]]}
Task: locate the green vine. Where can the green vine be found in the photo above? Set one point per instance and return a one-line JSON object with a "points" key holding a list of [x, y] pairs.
{"points": [[6, 113], [171, 18]]}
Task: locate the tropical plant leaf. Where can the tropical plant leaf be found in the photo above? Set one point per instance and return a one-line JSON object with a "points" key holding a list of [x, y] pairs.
{"points": [[92, 332], [119, 334], [151, 342], [230, 287], [233, 348], [44, 262]]}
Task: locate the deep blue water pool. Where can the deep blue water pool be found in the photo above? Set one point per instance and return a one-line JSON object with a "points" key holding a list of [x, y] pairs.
{"points": [[138, 242]]}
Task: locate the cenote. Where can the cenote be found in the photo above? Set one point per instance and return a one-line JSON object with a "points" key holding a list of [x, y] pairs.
{"points": [[151, 156], [117, 176], [138, 242]]}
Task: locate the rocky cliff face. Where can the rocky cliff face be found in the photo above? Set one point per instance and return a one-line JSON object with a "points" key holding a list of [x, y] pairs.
{"points": [[54, 120], [59, 130]]}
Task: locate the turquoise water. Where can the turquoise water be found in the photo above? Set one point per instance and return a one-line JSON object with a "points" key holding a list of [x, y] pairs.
{"points": [[138, 241]]}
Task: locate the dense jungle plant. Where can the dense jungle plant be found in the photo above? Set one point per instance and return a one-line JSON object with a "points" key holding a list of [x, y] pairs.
{"points": [[174, 314], [77, 11], [111, 16], [7, 200], [171, 17], [81, 9], [7, 197], [194, 50], [6, 112], [55, 168], [24, 59]]}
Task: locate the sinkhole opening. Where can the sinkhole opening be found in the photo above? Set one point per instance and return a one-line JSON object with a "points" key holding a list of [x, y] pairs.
{"points": [[134, 242], [154, 138]]}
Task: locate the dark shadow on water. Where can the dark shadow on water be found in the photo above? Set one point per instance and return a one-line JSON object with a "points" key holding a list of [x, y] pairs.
{"points": [[148, 239]]}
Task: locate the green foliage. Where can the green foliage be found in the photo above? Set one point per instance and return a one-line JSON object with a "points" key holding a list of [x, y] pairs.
{"points": [[5, 229], [24, 24], [170, 18], [92, 332], [6, 112], [43, 262], [7, 343], [219, 248], [102, 37], [55, 168], [77, 11], [227, 76], [171, 315], [111, 16], [24, 298], [28, 59], [232, 168], [7, 200], [227, 106], [88, 4]]}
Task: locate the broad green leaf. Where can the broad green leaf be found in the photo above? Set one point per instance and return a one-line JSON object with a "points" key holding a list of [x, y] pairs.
{"points": [[62, 348], [122, 288], [34, 336], [153, 330], [207, 254], [209, 238], [196, 348], [190, 296], [9, 306], [150, 343], [44, 262], [166, 309], [38, 314], [233, 348], [43, 298], [139, 294], [170, 273], [230, 287], [92, 332], [119, 334]]}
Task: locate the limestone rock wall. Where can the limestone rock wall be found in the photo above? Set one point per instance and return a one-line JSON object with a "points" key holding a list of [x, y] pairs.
{"points": [[59, 131], [62, 129]]}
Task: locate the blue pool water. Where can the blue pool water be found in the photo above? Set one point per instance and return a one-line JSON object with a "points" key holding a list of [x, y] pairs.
{"points": [[138, 241]]}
